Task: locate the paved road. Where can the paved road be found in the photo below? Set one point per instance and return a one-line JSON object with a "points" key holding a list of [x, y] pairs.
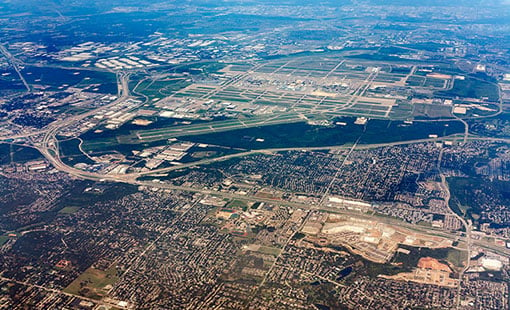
{"points": [[319, 148], [59, 292], [132, 179], [467, 226], [14, 63], [49, 144], [49, 149]]}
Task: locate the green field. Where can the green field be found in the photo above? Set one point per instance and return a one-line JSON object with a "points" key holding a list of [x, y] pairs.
{"points": [[19, 153], [3, 240], [432, 111], [237, 204], [472, 87], [269, 250], [471, 196], [160, 88], [451, 255], [69, 210], [92, 283]]}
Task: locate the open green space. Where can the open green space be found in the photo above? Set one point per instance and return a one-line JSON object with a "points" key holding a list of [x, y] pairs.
{"points": [[237, 204], [58, 78], [93, 283], [5, 153], [69, 210], [471, 196], [71, 154], [434, 111], [472, 87], [408, 261], [269, 250], [161, 88], [87, 193], [498, 126], [10, 82], [281, 132], [303, 135], [22, 154], [3, 239]]}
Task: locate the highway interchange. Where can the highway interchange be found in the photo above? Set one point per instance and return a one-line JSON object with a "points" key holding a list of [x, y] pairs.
{"points": [[46, 141], [49, 148]]}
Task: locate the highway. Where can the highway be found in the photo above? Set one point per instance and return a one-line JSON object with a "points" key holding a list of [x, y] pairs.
{"points": [[465, 224], [14, 63], [352, 90], [319, 148], [132, 178], [49, 144], [53, 291], [50, 150]]}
